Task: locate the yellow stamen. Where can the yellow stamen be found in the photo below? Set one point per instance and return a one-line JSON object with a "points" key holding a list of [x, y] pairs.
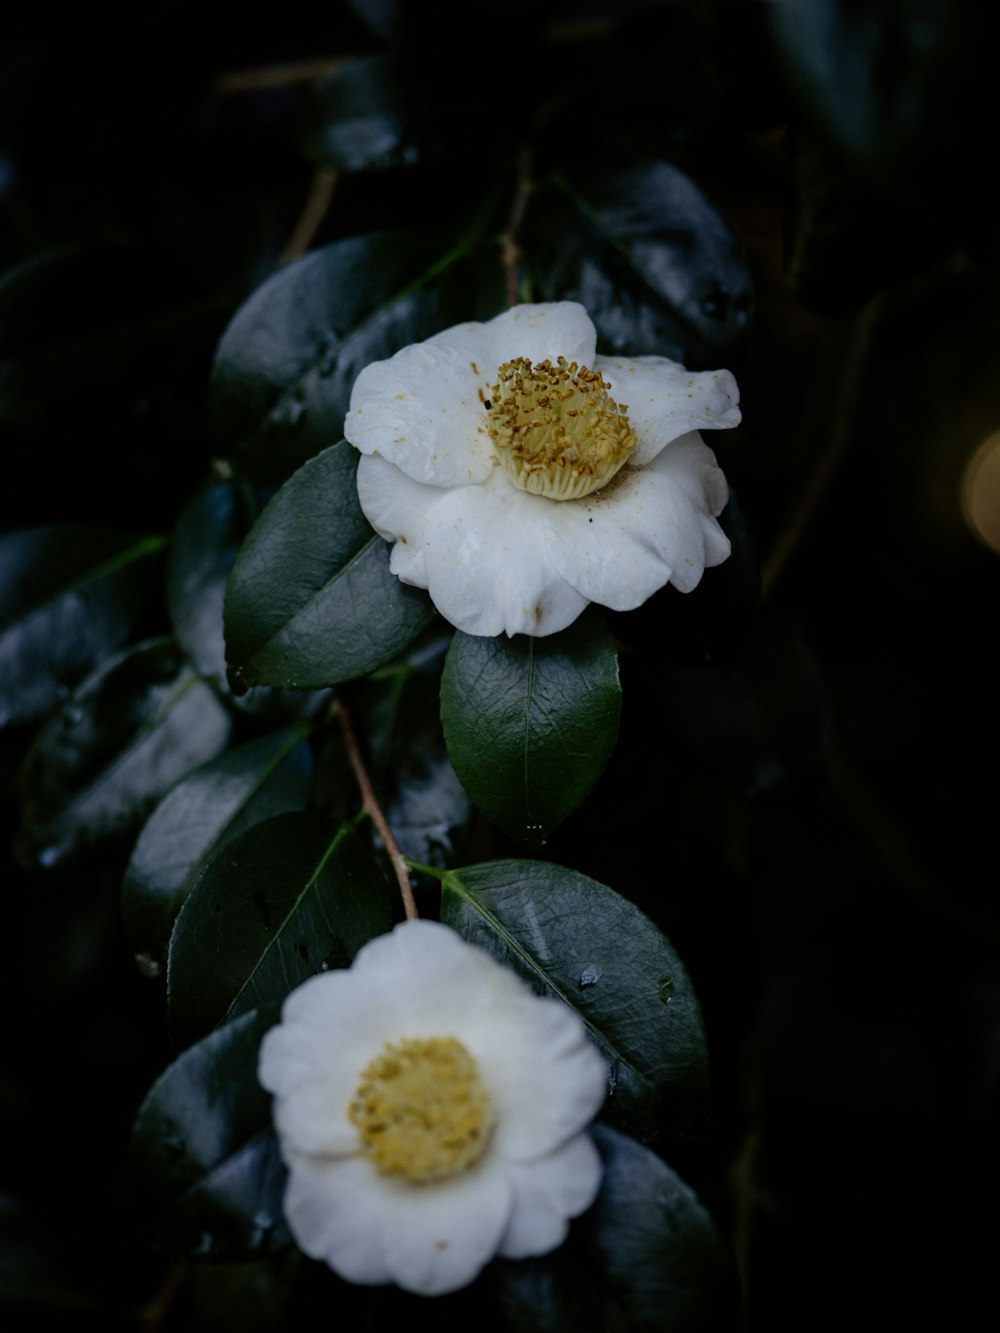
{"points": [[556, 430], [421, 1110]]}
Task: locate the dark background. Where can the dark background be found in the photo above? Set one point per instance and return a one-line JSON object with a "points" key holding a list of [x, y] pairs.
{"points": [[812, 818]]}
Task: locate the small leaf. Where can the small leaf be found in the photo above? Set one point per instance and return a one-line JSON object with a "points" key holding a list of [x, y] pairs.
{"points": [[645, 1259], [206, 541], [207, 1176], [311, 601], [69, 596], [199, 816], [132, 729], [366, 117], [288, 361], [530, 723], [658, 269], [288, 898], [575, 938]]}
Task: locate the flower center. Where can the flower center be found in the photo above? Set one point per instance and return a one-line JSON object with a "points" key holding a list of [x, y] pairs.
{"points": [[421, 1110], [555, 428]]}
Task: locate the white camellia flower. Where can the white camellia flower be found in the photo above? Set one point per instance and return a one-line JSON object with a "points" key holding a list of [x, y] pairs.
{"points": [[432, 1112], [521, 476]]}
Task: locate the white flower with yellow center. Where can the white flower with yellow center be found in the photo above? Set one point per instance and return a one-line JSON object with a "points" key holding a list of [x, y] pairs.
{"points": [[432, 1112], [521, 476]]}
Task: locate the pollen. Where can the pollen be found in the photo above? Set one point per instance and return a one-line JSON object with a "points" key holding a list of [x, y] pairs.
{"points": [[421, 1110], [555, 428]]}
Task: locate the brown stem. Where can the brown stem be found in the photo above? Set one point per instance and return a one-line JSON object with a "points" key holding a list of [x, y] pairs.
{"points": [[314, 210], [511, 252], [374, 810]]}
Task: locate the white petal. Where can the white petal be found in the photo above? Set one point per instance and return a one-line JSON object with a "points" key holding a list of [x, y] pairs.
{"points": [[546, 1079], [422, 411], [549, 1192], [538, 332], [437, 978], [399, 509], [641, 532], [665, 400], [429, 1239], [692, 464], [487, 567]]}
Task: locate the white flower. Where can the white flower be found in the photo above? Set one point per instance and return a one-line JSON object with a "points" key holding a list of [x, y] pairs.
{"points": [[432, 1112], [518, 486]]}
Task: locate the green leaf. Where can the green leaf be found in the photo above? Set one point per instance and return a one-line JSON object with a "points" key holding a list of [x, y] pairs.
{"points": [[575, 938], [311, 601], [658, 269], [69, 596], [199, 816], [287, 362], [206, 541], [286, 899], [99, 765], [530, 723], [206, 1174], [373, 114], [646, 1258]]}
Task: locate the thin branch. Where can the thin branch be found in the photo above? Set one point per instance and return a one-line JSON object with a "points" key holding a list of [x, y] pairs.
{"points": [[510, 250], [285, 75], [374, 810], [314, 210]]}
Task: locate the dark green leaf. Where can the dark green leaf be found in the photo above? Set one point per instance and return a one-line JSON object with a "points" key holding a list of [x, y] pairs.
{"points": [[367, 116], [425, 804], [69, 596], [286, 364], [642, 248], [200, 815], [288, 898], [311, 601], [132, 729], [207, 1177], [530, 723], [577, 939], [645, 1259], [205, 544]]}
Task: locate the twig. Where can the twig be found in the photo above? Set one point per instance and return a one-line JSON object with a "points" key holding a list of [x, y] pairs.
{"points": [[158, 1306], [510, 251], [278, 76], [374, 810], [314, 210]]}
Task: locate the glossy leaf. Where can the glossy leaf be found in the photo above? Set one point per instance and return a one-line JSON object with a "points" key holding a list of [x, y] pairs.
{"points": [[311, 601], [69, 596], [206, 1174], [426, 805], [366, 117], [530, 723], [575, 938], [646, 1258], [210, 528], [199, 816], [286, 899], [98, 766], [660, 272], [287, 362]]}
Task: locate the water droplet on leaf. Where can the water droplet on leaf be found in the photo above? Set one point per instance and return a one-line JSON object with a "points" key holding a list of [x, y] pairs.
{"points": [[590, 976]]}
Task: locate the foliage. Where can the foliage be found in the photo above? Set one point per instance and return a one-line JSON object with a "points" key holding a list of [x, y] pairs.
{"points": [[731, 824]]}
